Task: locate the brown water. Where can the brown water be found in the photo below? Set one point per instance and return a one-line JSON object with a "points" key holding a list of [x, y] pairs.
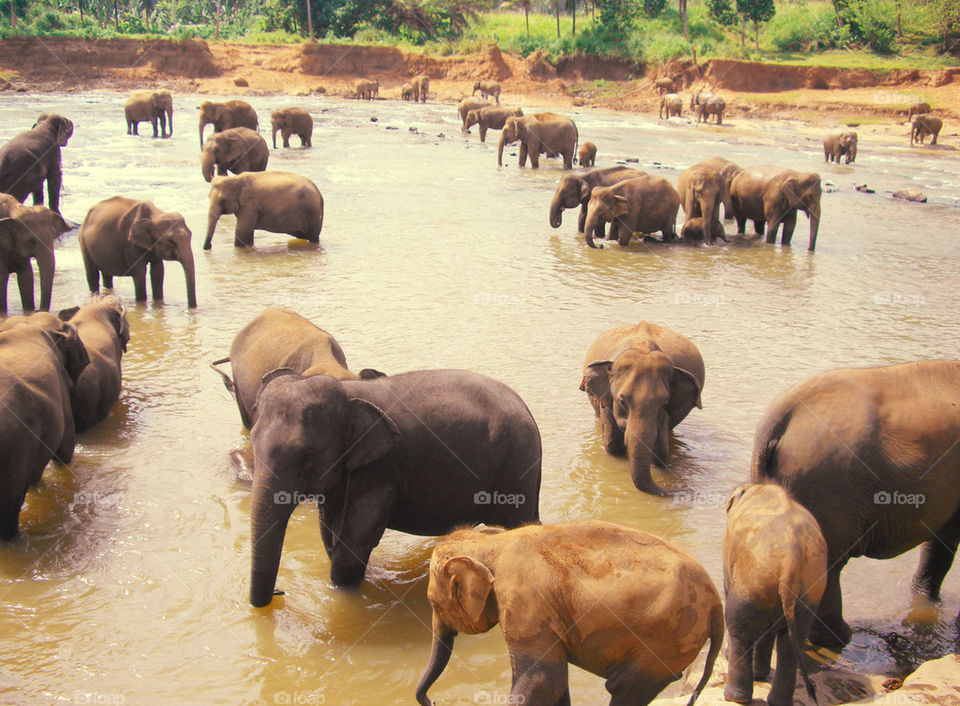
{"points": [[130, 581]]}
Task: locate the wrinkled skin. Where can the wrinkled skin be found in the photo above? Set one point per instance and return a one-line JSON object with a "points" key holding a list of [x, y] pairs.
{"points": [[151, 107], [707, 104], [487, 89], [769, 196], [468, 104], [421, 87], [406, 92], [923, 125], [918, 108], [32, 158], [774, 574], [279, 202], [587, 155], [695, 231], [292, 121], [490, 118], [840, 144], [728, 170], [121, 236], [104, 331], [572, 593], [701, 190], [665, 85], [28, 232], [41, 358], [642, 380], [416, 467], [541, 133], [224, 116], [644, 204], [575, 190], [368, 90], [236, 150]]}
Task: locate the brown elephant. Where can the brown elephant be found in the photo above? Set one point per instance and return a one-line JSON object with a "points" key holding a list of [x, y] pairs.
{"points": [[487, 89], [643, 204], [701, 189], [421, 87], [642, 380], [575, 190], [237, 150], [918, 108], [665, 85], [121, 236], [671, 104], [279, 202], [41, 358], [466, 105], [292, 121], [406, 92], [707, 104], [104, 331], [769, 196], [840, 144], [695, 230], [28, 232], [33, 157], [546, 133], [490, 118], [224, 116], [923, 125], [620, 603], [587, 155], [368, 90], [728, 170], [150, 107]]}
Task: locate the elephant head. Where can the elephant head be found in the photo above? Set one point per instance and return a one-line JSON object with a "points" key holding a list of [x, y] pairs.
{"points": [[605, 205], [800, 191], [31, 234], [212, 155], [60, 126], [514, 129], [227, 195], [473, 117], [163, 106], [63, 337], [570, 193], [645, 391], [309, 437], [210, 113], [848, 145], [166, 236], [279, 120]]}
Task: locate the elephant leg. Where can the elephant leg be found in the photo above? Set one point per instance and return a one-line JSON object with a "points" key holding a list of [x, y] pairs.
{"points": [[153, 124], [10, 504], [25, 285], [758, 226], [362, 523], [568, 159], [64, 452], [789, 223], [763, 654], [156, 280], [483, 132], [741, 224], [739, 688], [286, 139], [523, 153], [38, 196], [582, 221], [539, 676], [629, 686], [93, 274], [829, 629], [108, 281], [534, 157], [136, 128], [4, 280], [785, 680], [773, 225], [613, 442], [139, 274], [936, 558], [246, 223]]}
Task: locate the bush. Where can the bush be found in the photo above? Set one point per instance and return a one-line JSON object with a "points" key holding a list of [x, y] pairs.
{"points": [[805, 28]]}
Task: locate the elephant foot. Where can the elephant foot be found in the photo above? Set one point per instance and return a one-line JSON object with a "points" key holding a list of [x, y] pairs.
{"points": [[347, 576], [239, 244], [828, 632], [207, 245], [737, 696]]}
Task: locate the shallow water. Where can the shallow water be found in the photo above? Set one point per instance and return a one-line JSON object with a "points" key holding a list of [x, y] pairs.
{"points": [[129, 583]]}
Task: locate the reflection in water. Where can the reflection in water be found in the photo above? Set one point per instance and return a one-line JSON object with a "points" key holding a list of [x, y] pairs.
{"points": [[131, 576]]}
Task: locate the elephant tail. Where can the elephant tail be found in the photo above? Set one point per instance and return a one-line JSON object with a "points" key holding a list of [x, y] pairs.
{"points": [[766, 442], [227, 380], [791, 599], [716, 641]]}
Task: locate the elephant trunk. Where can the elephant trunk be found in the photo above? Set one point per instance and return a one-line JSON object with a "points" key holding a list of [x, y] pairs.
{"points": [[589, 226], [503, 141], [207, 164], [46, 263], [814, 226], [268, 524], [203, 124], [189, 274], [170, 121], [439, 657], [212, 219], [275, 128], [556, 212], [647, 442]]}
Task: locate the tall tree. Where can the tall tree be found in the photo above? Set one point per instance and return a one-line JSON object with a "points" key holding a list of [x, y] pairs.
{"points": [[309, 22], [525, 4], [13, 16], [572, 6], [557, 6], [683, 15], [756, 11]]}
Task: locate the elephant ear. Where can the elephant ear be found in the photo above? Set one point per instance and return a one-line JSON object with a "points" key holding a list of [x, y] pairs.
{"points": [[370, 434], [371, 374], [585, 191], [118, 319], [469, 585], [75, 357], [15, 238], [67, 314], [64, 130], [596, 382], [684, 387], [736, 495], [143, 233]]}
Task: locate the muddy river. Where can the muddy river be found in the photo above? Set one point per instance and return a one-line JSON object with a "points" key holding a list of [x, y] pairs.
{"points": [[129, 583]]}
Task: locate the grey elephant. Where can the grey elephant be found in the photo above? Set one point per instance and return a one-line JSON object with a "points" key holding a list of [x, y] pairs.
{"points": [[28, 232], [642, 380], [665, 85], [367, 90], [41, 358], [701, 189], [151, 107], [644, 204], [279, 202], [728, 170], [872, 453], [840, 144], [120, 236], [466, 105], [33, 157], [490, 118], [918, 108], [461, 449], [923, 125], [575, 190], [421, 87], [587, 154], [104, 331], [546, 133], [769, 196], [707, 104], [224, 116], [292, 121], [671, 104], [237, 150], [774, 575], [701, 230], [406, 92], [606, 598], [488, 89]]}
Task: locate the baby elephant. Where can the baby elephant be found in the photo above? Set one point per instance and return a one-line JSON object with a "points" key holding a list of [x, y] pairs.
{"points": [[292, 121], [587, 156], [617, 602], [923, 125], [774, 574], [840, 144], [695, 230]]}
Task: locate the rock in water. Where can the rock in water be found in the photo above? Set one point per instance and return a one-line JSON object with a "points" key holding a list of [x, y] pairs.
{"points": [[910, 195], [864, 189]]}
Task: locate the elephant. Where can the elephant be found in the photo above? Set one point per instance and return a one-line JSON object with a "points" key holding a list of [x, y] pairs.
{"points": [[487, 89], [490, 118], [546, 133], [280, 338], [292, 121], [104, 331], [41, 358], [701, 189], [368, 90], [224, 116], [587, 155], [672, 104], [575, 190], [279, 202], [707, 104], [406, 92], [237, 150], [769, 195], [923, 125], [665, 85], [918, 108], [840, 144], [421, 87], [33, 157], [872, 454], [695, 230], [644, 204], [462, 448], [28, 232], [728, 170], [120, 236], [774, 575], [620, 603], [466, 105], [642, 380], [150, 107]]}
